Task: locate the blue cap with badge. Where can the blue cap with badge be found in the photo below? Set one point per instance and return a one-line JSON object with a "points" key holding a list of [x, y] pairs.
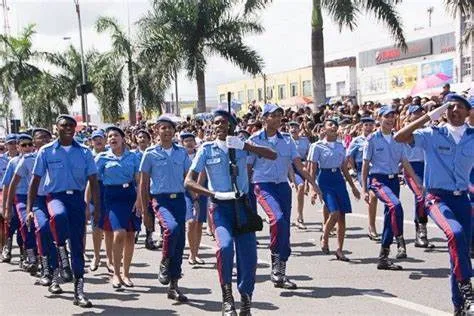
{"points": [[66, 117], [414, 108], [184, 135], [165, 119], [24, 137], [97, 133], [386, 110], [40, 129], [116, 129], [11, 138], [227, 115], [456, 97], [270, 108], [367, 119]]}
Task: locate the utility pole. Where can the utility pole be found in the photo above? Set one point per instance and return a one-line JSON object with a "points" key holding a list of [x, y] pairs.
{"points": [[264, 76], [430, 12], [84, 88]]}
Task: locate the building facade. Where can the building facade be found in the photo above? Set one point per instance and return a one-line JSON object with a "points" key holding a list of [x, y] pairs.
{"points": [[283, 87]]}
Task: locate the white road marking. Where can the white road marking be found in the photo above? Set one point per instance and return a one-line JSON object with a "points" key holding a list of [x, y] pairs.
{"points": [[380, 218], [405, 304]]}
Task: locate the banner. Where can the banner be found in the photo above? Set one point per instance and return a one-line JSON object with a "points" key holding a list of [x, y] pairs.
{"points": [[374, 82], [444, 67], [402, 78]]}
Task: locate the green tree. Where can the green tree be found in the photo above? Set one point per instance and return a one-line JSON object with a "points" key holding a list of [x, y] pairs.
{"points": [[345, 14], [463, 8], [106, 77], [204, 28], [123, 52]]}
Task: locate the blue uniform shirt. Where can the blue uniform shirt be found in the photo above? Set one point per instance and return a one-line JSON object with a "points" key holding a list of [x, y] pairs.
{"points": [[166, 172], [3, 164], [24, 170], [66, 170], [414, 153], [216, 163], [356, 148], [325, 156], [138, 153], [273, 171], [302, 146], [8, 176], [447, 165], [384, 156], [115, 170]]}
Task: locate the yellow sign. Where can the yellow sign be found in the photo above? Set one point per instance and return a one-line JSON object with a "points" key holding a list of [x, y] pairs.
{"points": [[403, 78]]}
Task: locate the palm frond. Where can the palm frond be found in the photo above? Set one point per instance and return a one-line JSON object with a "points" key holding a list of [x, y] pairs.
{"points": [[464, 7], [343, 12]]}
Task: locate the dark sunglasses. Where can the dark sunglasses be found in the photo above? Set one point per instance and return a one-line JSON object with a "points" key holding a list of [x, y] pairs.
{"points": [[26, 145]]}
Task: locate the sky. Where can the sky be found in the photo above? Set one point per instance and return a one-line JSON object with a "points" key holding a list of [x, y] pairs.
{"points": [[285, 44]]}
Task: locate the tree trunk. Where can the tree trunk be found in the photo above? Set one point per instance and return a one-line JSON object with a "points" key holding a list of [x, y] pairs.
{"points": [[132, 111], [176, 108], [201, 86], [317, 55]]}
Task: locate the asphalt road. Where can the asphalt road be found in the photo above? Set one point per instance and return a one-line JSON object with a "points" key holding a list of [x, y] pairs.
{"points": [[325, 286]]}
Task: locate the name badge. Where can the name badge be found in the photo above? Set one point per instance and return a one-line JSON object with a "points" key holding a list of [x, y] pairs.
{"points": [[125, 185], [212, 161], [69, 192]]}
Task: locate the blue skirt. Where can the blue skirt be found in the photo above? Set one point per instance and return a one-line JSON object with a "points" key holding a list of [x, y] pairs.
{"points": [[119, 203], [202, 214], [333, 188]]}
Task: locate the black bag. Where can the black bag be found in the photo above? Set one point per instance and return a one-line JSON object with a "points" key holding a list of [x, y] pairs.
{"points": [[253, 223]]}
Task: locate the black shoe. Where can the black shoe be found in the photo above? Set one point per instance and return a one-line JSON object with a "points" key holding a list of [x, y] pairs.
{"points": [[46, 278], [163, 275], [465, 288], [228, 304], [275, 275], [31, 264], [385, 263], [421, 236], [54, 288], [79, 297], [7, 251], [285, 283], [66, 272], [149, 243], [136, 236], [175, 294], [401, 248], [245, 305]]}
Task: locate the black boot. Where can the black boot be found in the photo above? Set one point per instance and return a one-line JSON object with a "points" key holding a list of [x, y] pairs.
{"points": [[137, 234], [31, 264], [285, 282], [149, 243], [228, 305], [275, 275], [385, 263], [421, 238], [46, 275], [79, 297], [54, 288], [465, 288], [401, 248], [22, 262], [163, 275], [175, 294], [245, 305], [66, 272], [7, 251]]}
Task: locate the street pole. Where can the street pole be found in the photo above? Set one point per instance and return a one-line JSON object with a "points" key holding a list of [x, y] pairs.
{"points": [[264, 88], [85, 117], [176, 92]]}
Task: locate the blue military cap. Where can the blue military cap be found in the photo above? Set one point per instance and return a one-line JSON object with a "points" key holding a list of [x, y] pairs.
{"points": [[184, 135], [459, 98], [270, 108], [386, 110], [227, 115], [165, 119], [333, 120], [414, 108], [98, 133], [144, 131], [290, 123], [471, 100], [116, 129], [11, 138], [367, 119], [24, 137], [40, 129], [66, 117]]}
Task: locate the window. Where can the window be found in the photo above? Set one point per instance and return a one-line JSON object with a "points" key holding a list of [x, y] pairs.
{"points": [[282, 92], [293, 89], [341, 87], [240, 96], [222, 98], [328, 88], [307, 90], [250, 95], [260, 94], [269, 93]]}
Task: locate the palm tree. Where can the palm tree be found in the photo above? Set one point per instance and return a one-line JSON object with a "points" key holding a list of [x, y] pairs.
{"points": [[203, 28], [463, 8], [17, 55], [345, 13], [106, 77], [123, 51]]}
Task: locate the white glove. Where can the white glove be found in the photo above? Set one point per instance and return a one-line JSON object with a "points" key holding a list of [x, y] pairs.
{"points": [[223, 196], [436, 113], [352, 173], [234, 142]]}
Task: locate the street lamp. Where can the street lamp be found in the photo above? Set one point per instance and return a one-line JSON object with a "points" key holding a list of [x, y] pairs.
{"points": [[84, 88]]}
